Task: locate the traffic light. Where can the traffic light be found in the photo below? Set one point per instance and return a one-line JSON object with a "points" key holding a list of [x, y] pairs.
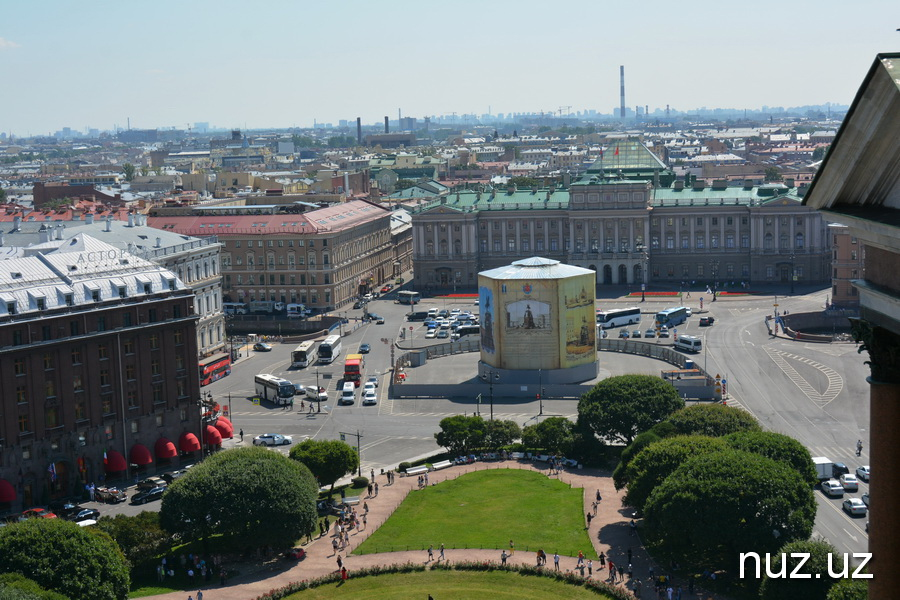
{"points": [[675, 336], [538, 397]]}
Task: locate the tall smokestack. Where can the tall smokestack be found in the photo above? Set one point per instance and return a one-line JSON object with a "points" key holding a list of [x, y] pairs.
{"points": [[359, 131], [622, 91], [387, 128]]}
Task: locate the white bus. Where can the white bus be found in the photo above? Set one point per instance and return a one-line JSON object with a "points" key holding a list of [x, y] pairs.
{"points": [[274, 389], [303, 355], [330, 349], [234, 308], [408, 297], [619, 317]]}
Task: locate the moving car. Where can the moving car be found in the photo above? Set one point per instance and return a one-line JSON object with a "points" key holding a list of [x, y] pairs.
{"points": [[148, 496], [838, 469], [359, 304], [688, 312], [388, 287], [849, 482], [863, 472], [369, 386], [833, 488], [170, 476], [707, 321], [369, 398], [379, 320], [854, 506], [317, 394], [272, 439], [373, 379], [262, 347], [365, 348]]}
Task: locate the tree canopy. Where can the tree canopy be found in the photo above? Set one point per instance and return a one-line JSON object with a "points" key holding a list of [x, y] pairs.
{"points": [[328, 460], [140, 537], [717, 505], [64, 557], [788, 588], [554, 434], [501, 433], [255, 493], [14, 586], [777, 446], [459, 434], [714, 420], [849, 589], [641, 441], [619, 408], [657, 461], [128, 170]]}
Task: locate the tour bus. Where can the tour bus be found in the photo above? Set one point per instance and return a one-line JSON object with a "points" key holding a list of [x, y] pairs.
{"points": [[688, 343], [353, 368], [274, 389], [408, 297], [214, 368], [303, 355], [618, 317], [330, 349], [234, 308], [466, 330], [295, 311], [672, 316]]}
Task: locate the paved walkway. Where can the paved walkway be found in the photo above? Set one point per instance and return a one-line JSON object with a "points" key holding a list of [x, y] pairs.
{"points": [[610, 533]]}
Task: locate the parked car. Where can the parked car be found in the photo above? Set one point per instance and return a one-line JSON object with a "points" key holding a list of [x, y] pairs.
{"points": [[863, 473], [623, 334], [272, 439], [854, 506], [664, 331], [262, 347], [443, 334], [170, 476], [838, 469], [431, 334], [365, 348], [865, 498], [832, 488], [369, 398], [38, 513], [650, 333], [150, 483], [84, 514], [636, 333], [148, 496], [849, 482]]}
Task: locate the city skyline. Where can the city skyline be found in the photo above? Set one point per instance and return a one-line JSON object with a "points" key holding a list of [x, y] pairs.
{"points": [[288, 64]]}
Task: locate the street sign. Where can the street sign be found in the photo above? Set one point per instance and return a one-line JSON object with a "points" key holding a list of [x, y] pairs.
{"points": [[643, 287], [410, 328]]}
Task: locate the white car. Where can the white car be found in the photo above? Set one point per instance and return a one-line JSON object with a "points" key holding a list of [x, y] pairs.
{"points": [[369, 386], [854, 506], [443, 334], [849, 482], [863, 472], [833, 488], [430, 335], [369, 398], [688, 312], [272, 439], [373, 379]]}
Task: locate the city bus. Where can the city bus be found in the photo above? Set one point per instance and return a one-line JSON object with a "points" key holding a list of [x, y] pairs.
{"points": [[353, 368], [618, 317], [408, 297], [214, 368], [466, 330], [329, 349], [303, 355], [274, 389], [672, 316]]}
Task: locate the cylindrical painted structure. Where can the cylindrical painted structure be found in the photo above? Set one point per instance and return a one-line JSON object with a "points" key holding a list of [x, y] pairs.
{"points": [[539, 314]]}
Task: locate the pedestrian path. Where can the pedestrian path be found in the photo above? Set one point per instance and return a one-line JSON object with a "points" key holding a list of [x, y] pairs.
{"points": [[610, 533]]}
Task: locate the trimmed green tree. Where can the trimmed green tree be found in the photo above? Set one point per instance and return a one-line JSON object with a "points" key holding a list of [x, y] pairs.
{"points": [[328, 460], [785, 586], [849, 589], [659, 460], [717, 505], [14, 586], [252, 493], [641, 441], [459, 434], [61, 556], [140, 537], [619, 408], [128, 169], [501, 433], [777, 446], [554, 434], [714, 420]]}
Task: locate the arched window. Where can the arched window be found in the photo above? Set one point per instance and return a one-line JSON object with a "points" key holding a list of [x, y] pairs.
{"points": [[783, 241], [769, 242], [457, 247], [443, 246], [429, 248], [798, 241]]}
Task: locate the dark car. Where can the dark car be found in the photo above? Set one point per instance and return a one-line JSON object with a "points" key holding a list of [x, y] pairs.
{"points": [[84, 514], [150, 483], [171, 476], [359, 304], [838, 469], [707, 321], [262, 347], [148, 496], [66, 510], [364, 348]]}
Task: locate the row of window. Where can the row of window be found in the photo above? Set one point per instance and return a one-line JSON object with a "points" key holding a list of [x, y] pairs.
{"points": [[253, 261], [282, 279], [100, 324], [700, 271], [280, 243], [250, 296]]}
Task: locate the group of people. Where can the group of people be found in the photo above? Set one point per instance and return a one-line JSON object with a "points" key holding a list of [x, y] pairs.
{"points": [[192, 565], [423, 481]]}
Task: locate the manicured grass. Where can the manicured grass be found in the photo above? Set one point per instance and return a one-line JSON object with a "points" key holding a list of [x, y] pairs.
{"points": [[486, 509], [459, 585]]}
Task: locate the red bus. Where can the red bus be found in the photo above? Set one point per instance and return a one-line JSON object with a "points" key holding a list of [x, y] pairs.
{"points": [[353, 368], [214, 368]]}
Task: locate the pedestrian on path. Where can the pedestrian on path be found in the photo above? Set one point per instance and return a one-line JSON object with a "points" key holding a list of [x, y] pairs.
{"points": [[556, 561], [859, 447], [199, 595], [503, 557], [512, 548], [580, 558], [344, 574], [372, 473], [376, 489], [602, 558], [598, 496], [241, 433], [590, 565], [441, 556], [340, 562], [431, 553], [589, 516]]}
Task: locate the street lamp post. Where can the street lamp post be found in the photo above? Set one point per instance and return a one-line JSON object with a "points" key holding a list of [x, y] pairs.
{"points": [[792, 273], [643, 250], [318, 399], [715, 273], [490, 377]]}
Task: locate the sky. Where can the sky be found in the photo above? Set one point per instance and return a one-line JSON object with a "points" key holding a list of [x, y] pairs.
{"points": [[282, 63]]}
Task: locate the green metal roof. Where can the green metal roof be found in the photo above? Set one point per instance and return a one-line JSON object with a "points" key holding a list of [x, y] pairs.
{"points": [[502, 200], [755, 196]]}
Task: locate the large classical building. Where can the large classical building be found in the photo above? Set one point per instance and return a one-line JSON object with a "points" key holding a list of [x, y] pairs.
{"points": [[98, 356], [627, 230], [321, 258]]}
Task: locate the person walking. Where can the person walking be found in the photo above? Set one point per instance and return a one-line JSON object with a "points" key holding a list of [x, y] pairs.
{"points": [[859, 447], [503, 557], [580, 558], [199, 594], [372, 473], [344, 574], [241, 433], [431, 553], [590, 565], [512, 548], [556, 561], [602, 558], [441, 555], [589, 516]]}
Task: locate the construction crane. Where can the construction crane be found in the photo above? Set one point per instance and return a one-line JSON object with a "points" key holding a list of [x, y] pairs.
{"points": [[565, 108]]}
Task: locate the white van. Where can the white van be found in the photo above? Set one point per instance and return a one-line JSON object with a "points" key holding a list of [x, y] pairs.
{"points": [[688, 343], [234, 308], [348, 393]]}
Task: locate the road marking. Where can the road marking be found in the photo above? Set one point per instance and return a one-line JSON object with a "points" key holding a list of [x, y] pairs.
{"points": [[853, 537], [835, 381]]}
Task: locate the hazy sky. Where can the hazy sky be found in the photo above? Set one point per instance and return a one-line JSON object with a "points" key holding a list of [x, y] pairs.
{"points": [[284, 63]]}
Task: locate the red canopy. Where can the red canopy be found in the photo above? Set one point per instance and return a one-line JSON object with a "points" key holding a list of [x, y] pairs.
{"points": [[7, 491], [165, 449], [140, 455], [224, 427], [211, 436], [115, 461], [188, 442]]}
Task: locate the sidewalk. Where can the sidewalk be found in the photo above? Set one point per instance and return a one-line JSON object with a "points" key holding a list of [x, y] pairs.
{"points": [[610, 533]]}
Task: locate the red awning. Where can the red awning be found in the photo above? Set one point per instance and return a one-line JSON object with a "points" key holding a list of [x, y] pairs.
{"points": [[114, 462], [211, 436], [140, 456], [224, 428], [7, 491], [188, 442], [226, 420], [165, 449]]}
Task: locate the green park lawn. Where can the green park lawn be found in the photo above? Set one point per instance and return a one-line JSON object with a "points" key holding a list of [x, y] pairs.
{"points": [[459, 585], [486, 509]]}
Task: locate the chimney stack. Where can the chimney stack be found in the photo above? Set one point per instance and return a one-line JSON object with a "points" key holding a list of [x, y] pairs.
{"points": [[108, 222], [622, 91], [89, 218], [158, 242], [387, 128], [17, 222], [359, 131], [131, 219]]}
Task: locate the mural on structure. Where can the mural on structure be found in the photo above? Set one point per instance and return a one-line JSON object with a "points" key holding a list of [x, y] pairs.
{"points": [[486, 296], [528, 314], [580, 336]]}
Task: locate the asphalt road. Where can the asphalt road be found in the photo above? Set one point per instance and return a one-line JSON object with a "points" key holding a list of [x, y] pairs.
{"points": [[815, 393]]}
